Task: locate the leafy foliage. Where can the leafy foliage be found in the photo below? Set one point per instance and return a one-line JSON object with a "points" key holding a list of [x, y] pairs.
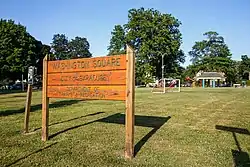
{"points": [[65, 49], [212, 54], [152, 34], [43, 51], [79, 48], [144, 73], [244, 67], [18, 50], [117, 41], [59, 46], [213, 46]]}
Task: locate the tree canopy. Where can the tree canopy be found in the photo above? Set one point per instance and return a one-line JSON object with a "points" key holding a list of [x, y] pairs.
{"points": [[65, 49], [18, 50], [117, 41], [155, 37], [152, 34], [213, 46], [244, 67], [212, 55]]}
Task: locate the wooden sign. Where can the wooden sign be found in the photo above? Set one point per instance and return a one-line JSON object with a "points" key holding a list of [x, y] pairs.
{"points": [[88, 92], [102, 78], [88, 78], [106, 63]]}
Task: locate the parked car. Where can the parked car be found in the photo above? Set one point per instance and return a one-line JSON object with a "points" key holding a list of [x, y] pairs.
{"points": [[17, 86]]}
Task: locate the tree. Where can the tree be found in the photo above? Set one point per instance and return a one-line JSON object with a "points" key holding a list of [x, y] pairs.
{"points": [[212, 54], [79, 48], [151, 34], [213, 46], [59, 46], [65, 49], [43, 50], [143, 73], [244, 67], [117, 41], [18, 50]]}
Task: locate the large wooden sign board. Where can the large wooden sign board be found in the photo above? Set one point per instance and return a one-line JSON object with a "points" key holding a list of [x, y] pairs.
{"points": [[107, 78]]}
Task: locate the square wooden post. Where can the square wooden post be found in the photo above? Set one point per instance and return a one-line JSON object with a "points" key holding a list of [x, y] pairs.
{"points": [[130, 95], [27, 109], [45, 101]]}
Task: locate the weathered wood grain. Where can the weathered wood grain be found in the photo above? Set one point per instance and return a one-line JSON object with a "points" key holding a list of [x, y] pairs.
{"points": [[88, 92], [88, 78]]}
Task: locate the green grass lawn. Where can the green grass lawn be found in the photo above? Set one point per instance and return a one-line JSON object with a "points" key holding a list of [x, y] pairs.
{"points": [[191, 128]]}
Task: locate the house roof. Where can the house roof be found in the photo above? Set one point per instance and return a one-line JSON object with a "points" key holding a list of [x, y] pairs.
{"points": [[210, 75]]}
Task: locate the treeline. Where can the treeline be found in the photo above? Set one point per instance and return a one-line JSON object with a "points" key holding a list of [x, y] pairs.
{"points": [[19, 50], [155, 37], [212, 54], [154, 34]]}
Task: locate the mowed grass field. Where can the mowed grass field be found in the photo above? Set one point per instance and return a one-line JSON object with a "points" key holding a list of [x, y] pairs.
{"points": [[196, 127]]}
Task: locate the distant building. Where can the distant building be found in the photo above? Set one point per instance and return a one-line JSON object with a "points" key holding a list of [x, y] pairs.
{"points": [[212, 78]]}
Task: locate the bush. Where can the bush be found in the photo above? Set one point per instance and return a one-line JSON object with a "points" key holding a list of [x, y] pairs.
{"points": [[248, 82]]}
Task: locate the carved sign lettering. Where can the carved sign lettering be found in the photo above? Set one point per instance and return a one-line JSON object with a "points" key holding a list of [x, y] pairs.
{"points": [[88, 64], [88, 78], [88, 92]]}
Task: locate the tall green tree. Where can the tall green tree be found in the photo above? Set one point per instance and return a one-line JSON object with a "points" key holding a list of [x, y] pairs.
{"points": [[59, 46], [65, 49], [152, 34], [79, 48], [212, 54], [18, 50], [117, 42], [43, 50], [244, 67], [213, 46]]}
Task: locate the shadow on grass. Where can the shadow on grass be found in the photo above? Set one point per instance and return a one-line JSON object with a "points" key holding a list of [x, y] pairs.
{"points": [[10, 98], [144, 121], [37, 107], [19, 96], [5, 92], [68, 120], [240, 158], [71, 128], [26, 156]]}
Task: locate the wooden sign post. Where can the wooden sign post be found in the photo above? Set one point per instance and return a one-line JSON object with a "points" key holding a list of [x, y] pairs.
{"points": [[130, 96], [106, 78], [27, 109], [31, 73]]}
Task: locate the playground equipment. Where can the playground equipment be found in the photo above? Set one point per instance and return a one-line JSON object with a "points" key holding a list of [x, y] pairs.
{"points": [[167, 85], [188, 79]]}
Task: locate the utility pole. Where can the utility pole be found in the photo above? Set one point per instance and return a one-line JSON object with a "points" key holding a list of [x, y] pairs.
{"points": [[22, 83], [162, 66]]}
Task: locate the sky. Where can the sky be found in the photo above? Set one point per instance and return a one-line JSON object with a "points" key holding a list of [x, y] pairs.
{"points": [[95, 19]]}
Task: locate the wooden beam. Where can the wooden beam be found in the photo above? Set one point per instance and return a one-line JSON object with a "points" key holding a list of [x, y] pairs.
{"points": [[27, 109], [45, 101], [130, 95]]}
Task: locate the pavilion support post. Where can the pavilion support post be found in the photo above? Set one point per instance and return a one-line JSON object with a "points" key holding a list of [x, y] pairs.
{"points": [[203, 83]]}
